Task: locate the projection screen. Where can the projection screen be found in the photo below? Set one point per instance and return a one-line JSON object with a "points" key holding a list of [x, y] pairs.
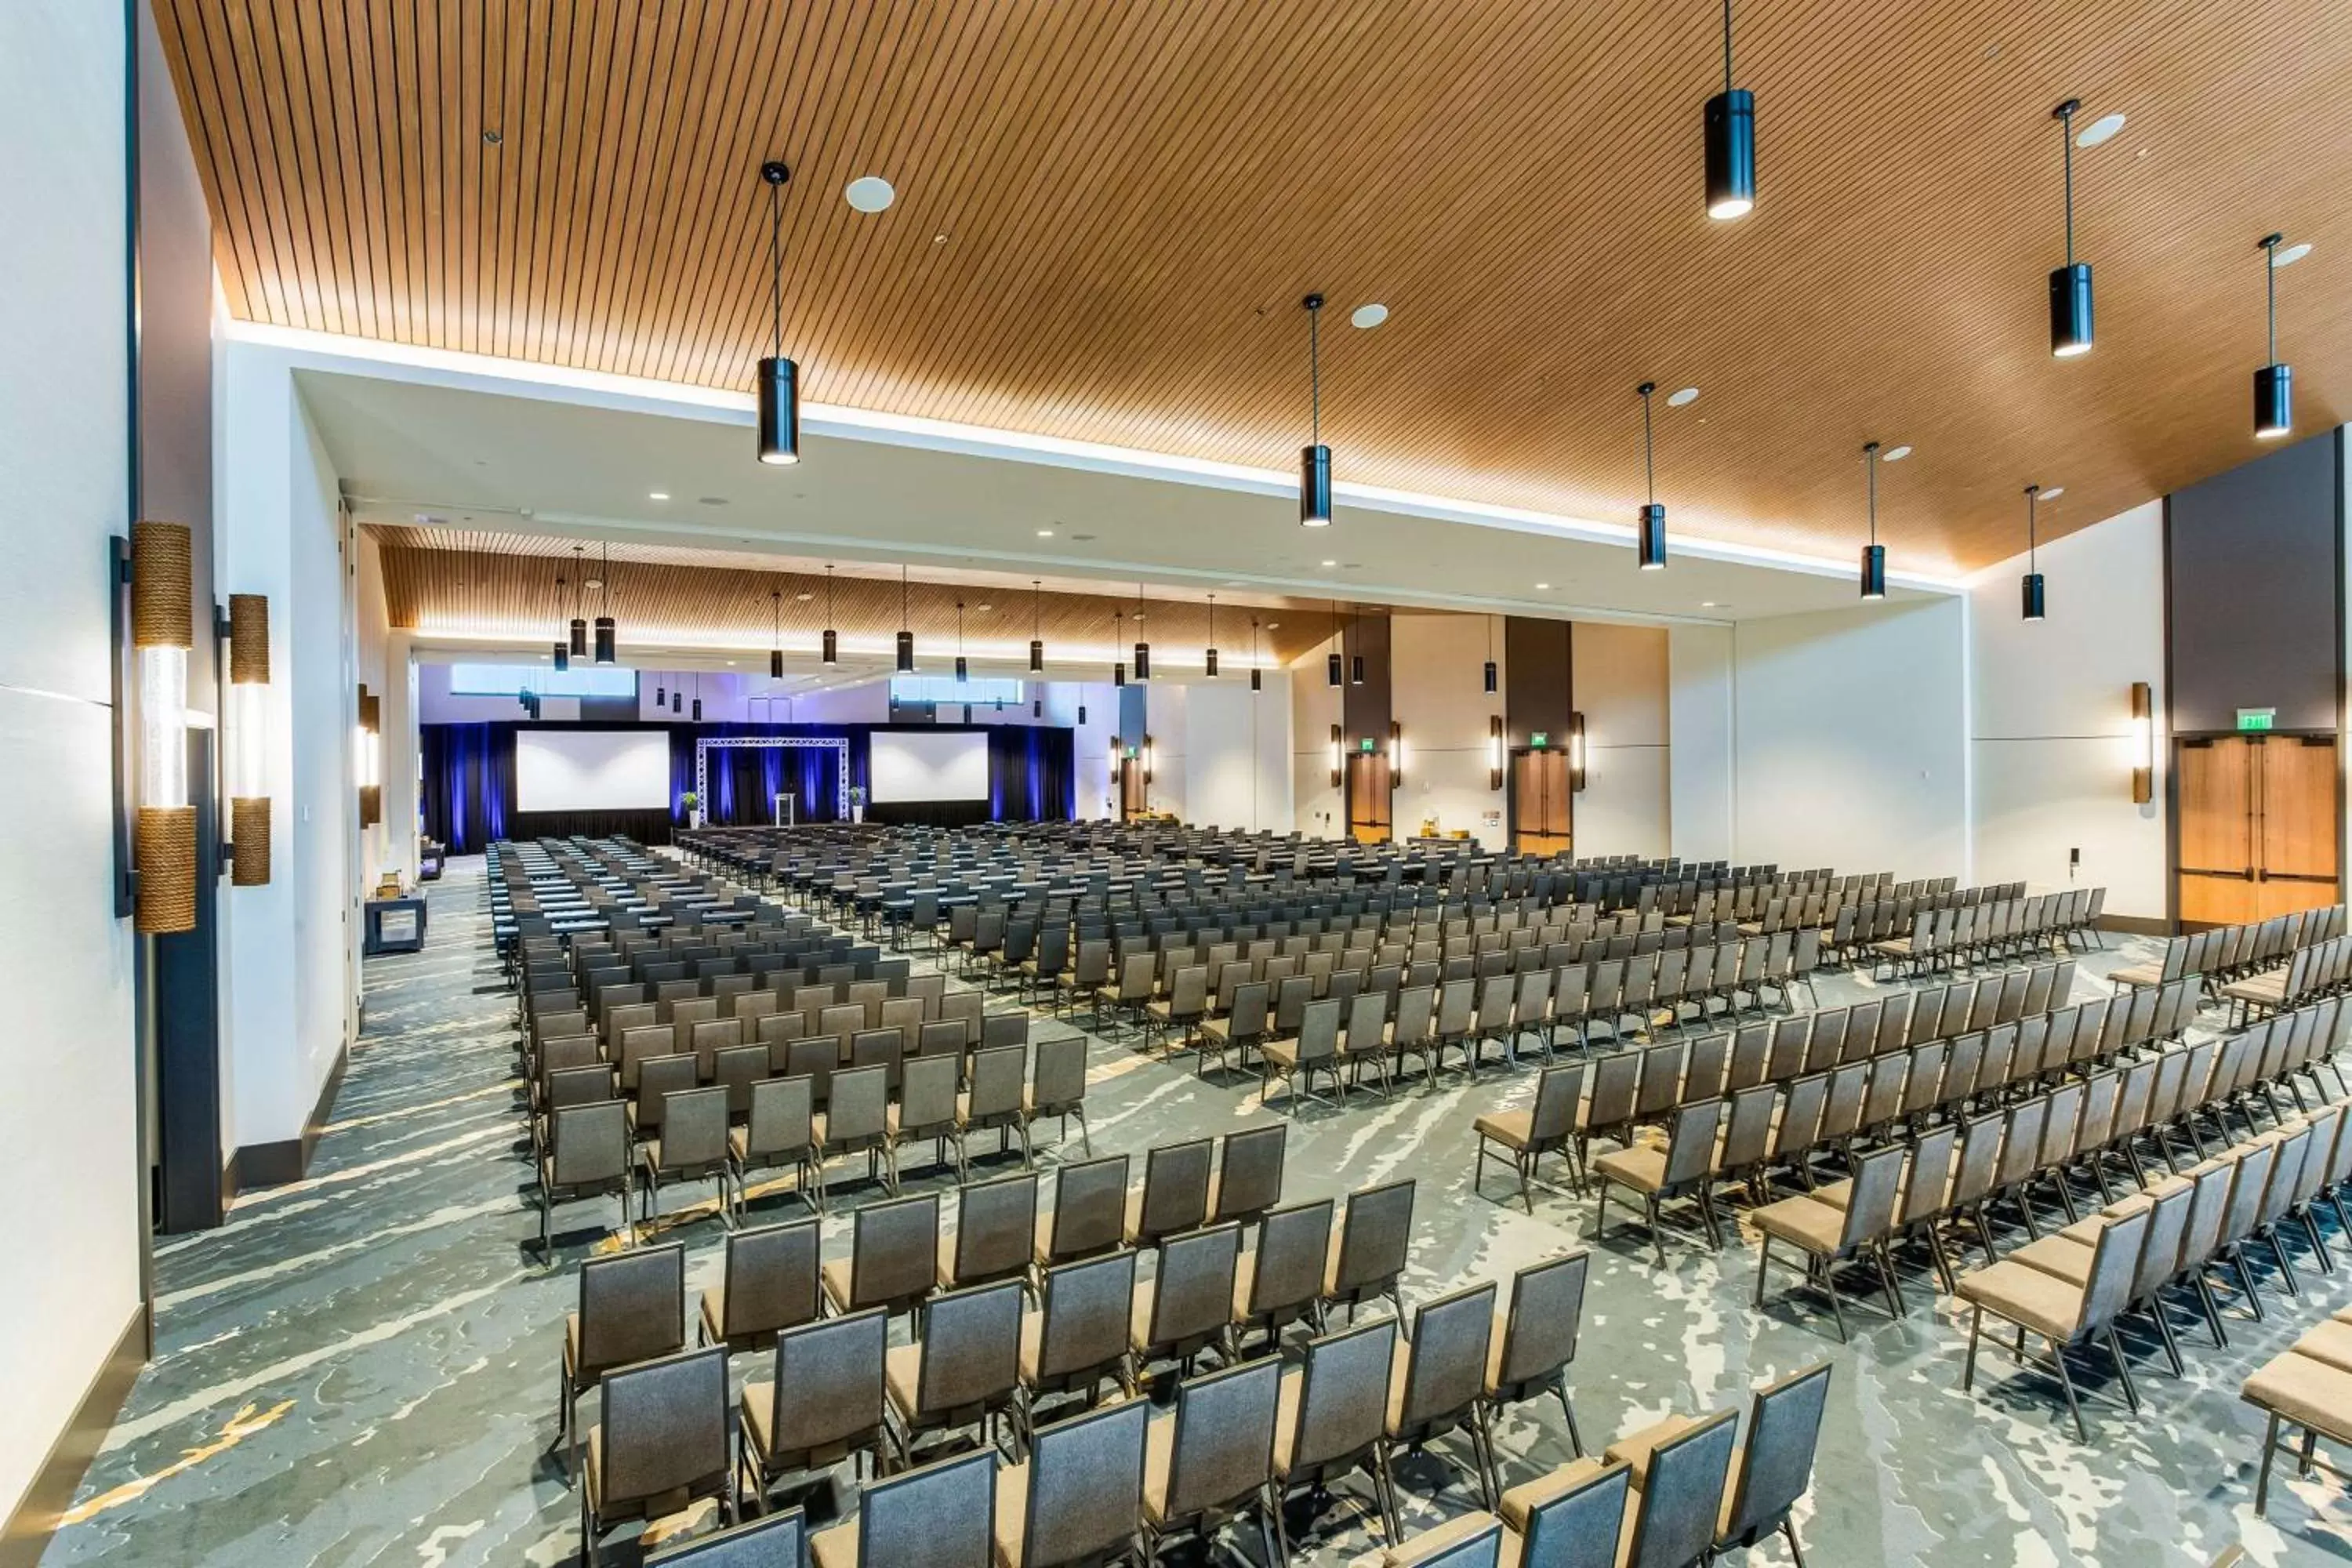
{"points": [[592, 769], [914, 765]]}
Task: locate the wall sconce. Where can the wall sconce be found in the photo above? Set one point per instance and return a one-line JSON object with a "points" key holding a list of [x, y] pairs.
{"points": [[248, 739], [1576, 750], [1494, 752], [163, 630], [368, 758], [1337, 778], [2143, 707], [1396, 755], [1147, 759]]}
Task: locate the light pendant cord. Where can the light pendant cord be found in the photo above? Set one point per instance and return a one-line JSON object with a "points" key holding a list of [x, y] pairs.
{"points": [[2032, 541], [1649, 457], [2270, 297], [2066, 130], [776, 266], [1726, 46], [1870, 460], [1314, 375]]}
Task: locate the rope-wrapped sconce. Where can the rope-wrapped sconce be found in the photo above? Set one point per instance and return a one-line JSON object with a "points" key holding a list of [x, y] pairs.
{"points": [[162, 631], [248, 739], [370, 758]]}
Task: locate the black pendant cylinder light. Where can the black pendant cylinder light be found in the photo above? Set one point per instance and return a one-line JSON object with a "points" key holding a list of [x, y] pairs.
{"points": [[1118, 634], [1355, 659], [776, 634], [1874, 554], [677, 700], [1333, 666], [1730, 142], [964, 670], [604, 622], [1651, 541], [1315, 459], [562, 649], [779, 378], [1258, 676], [906, 633], [2033, 599], [832, 638], [2274, 382], [1208, 663], [1036, 626], [697, 715], [563, 657], [1492, 674], [661, 695], [579, 586], [1142, 649], [2070, 286]]}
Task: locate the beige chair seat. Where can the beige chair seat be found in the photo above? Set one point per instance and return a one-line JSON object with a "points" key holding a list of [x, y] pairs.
{"points": [[1012, 1513], [1218, 1028], [902, 1376], [834, 1272], [757, 1407], [1635, 1449], [1899, 947], [1814, 1225], [1513, 1128], [1431, 1544], [1158, 1465], [835, 1547], [2063, 1256], [1138, 1317], [1520, 1503], [1032, 1345], [2329, 1342], [714, 1313], [2024, 1295], [2262, 988], [1285, 1418], [2137, 974], [1399, 1361], [2305, 1391], [1641, 1167], [1282, 1053]]}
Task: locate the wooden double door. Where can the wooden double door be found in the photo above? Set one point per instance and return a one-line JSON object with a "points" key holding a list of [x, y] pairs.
{"points": [[1372, 790], [2258, 817], [1134, 791], [1542, 804]]}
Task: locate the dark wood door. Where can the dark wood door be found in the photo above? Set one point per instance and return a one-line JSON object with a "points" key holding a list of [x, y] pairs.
{"points": [[2258, 826], [1542, 805], [1369, 794], [1134, 793]]}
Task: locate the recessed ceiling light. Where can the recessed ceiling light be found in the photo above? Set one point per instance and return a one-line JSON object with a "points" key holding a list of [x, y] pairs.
{"points": [[1683, 399], [1895, 454], [2290, 255], [981, 609], [1044, 533], [1706, 603], [1330, 564], [870, 194], [803, 598], [1273, 626], [1541, 587], [657, 494], [2099, 129], [1369, 316], [2053, 492]]}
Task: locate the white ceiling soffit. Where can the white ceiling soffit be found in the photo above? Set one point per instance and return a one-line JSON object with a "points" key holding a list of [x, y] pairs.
{"points": [[503, 445]]}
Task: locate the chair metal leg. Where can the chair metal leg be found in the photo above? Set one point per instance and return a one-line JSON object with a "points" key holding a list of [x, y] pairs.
{"points": [[2067, 1382], [2123, 1370], [1575, 1437], [1968, 1366], [2262, 1480]]}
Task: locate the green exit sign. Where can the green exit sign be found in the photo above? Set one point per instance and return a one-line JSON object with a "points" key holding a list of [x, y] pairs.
{"points": [[2256, 717], [1365, 744], [1538, 738]]}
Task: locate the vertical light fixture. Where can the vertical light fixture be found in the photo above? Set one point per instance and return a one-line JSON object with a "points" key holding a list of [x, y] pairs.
{"points": [[1118, 636], [1651, 542], [1332, 665], [964, 670], [775, 633], [1257, 675], [1336, 763], [2143, 713], [697, 714], [1142, 649], [678, 699], [604, 621], [2070, 286], [1730, 142], [906, 633], [1147, 755], [2035, 601], [2274, 382], [779, 378], [661, 695], [831, 651], [248, 739], [1209, 662], [371, 755], [1396, 754], [163, 630], [1495, 751], [579, 586], [562, 647], [1355, 659], [1314, 460], [1874, 554], [1576, 774], [1036, 626], [1493, 676]]}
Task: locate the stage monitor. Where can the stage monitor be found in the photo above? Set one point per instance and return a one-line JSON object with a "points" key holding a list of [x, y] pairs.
{"points": [[912, 765], [592, 769]]}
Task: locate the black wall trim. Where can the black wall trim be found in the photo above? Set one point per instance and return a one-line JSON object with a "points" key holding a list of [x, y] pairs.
{"points": [[53, 1483], [288, 1159]]}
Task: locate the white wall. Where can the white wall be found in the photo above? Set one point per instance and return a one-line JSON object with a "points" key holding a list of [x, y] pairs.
{"points": [[1318, 806], [1222, 752], [1850, 731], [68, 1096], [1699, 731], [1621, 687], [1097, 801], [1438, 699], [2052, 731]]}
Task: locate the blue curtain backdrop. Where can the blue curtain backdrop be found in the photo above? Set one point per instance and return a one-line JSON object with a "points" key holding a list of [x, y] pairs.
{"points": [[470, 793]]}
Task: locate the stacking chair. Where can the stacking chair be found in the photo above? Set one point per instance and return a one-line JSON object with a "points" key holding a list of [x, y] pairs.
{"points": [[991, 1099], [1057, 1088], [1470, 1541], [1248, 1178], [1077, 1496], [1183, 1008], [963, 1369], [1684, 1168], [1296, 1060], [1175, 1195], [825, 1403], [1090, 1213], [780, 1538], [1079, 1337], [1548, 1127], [587, 1156], [1213, 1460], [659, 1442], [1534, 1339], [780, 1131], [1280, 1279], [1368, 1256], [632, 1308], [1332, 1415], [1774, 1468], [1680, 1470], [1187, 1305], [1573, 1517], [1242, 1027], [1828, 1233], [856, 1121], [767, 1284], [995, 1222], [690, 1147], [1438, 1385], [893, 1260], [2062, 1312], [926, 1111], [941, 1516]]}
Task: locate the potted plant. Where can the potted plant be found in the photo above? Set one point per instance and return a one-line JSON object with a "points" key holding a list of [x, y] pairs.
{"points": [[691, 803], [856, 802]]}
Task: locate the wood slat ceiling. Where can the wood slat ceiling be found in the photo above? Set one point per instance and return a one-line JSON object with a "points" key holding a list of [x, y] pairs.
{"points": [[1108, 211], [511, 594]]}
